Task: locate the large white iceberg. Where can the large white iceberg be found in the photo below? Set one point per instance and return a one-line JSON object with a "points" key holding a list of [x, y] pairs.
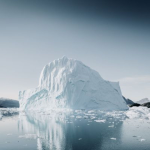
{"points": [[69, 84]]}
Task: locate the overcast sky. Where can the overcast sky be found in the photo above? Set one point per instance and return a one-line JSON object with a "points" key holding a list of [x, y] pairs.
{"points": [[112, 37]]}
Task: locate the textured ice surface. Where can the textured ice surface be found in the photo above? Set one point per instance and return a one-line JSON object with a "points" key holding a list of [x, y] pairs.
{"points": [[68, 83], [138, 112]]}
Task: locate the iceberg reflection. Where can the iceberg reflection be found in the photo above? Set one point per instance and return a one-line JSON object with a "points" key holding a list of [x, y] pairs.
{"points": [[72, 130]]}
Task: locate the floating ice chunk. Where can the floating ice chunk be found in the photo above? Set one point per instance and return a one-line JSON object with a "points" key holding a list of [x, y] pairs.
{"points": [[28, 136], [111, 126], [113, 138], [86, 117], [92, 117], [78, 117], [142, 140], [103, 121], [80, 139]]}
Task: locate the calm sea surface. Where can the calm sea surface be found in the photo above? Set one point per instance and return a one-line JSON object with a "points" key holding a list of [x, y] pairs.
{"points": [[77, 130]]}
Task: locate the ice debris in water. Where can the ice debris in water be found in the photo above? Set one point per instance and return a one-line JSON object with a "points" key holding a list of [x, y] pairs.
{"points": [[8, 112], [80, 139], [69, 84], [111, 126], [113, 138], [142, 140], [103, 121], [138, 113]]}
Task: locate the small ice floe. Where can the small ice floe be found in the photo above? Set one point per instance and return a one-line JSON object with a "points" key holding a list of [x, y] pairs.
{"points": [[78, 117], [92, 117], [28, 136], [9, 134], [111, 126], [89, 114], [142, 140], [86, 117], [103, 121], [78, 111], [113, 138], [80, 139], [88, 124], [91, 111]]}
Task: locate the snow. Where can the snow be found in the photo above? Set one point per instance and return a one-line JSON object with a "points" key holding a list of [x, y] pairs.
{"points": [[69, 84]]}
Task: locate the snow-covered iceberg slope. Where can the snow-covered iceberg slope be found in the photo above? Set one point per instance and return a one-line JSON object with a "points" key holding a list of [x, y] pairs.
{"points": [[68, 83]]}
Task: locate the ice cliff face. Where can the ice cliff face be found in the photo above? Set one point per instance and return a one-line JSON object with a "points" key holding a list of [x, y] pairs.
{"points": [[68, 83]]}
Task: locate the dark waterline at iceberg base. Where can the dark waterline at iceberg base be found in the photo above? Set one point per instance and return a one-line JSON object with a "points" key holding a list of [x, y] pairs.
{"points": [[79, 130]]}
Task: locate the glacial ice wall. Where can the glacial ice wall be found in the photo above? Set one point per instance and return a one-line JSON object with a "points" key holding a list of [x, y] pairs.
{"points": [[68, 83]]}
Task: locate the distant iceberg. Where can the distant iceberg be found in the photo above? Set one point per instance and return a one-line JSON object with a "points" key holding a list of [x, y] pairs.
{"points": [[142, 101], [8, 103], [69, 84]]}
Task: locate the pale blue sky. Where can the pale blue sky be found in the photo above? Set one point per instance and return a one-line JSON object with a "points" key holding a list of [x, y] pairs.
{"points": [[29, 38]]}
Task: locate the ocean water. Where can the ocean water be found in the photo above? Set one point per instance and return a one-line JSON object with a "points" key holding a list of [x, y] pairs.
{"points": [[76, 130]]}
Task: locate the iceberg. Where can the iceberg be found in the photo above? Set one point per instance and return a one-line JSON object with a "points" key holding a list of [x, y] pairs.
{"points": [[67, 83], [142, 101]]}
